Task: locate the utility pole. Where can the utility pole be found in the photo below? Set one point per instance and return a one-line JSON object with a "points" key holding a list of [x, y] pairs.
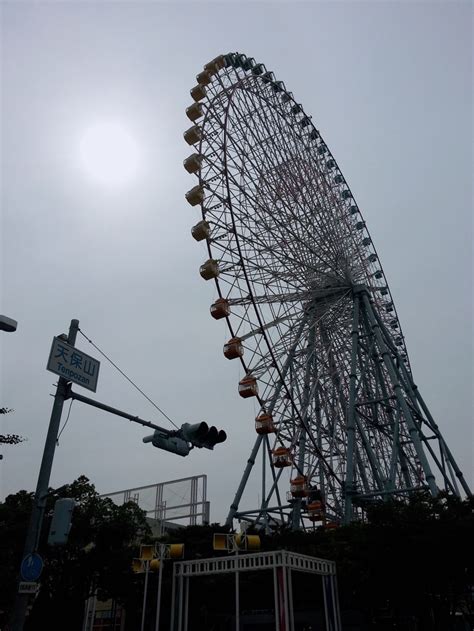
{"points": [[36, 519], [179, 441]]}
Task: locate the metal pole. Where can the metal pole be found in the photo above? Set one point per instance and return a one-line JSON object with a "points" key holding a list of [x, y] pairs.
{"points": [[36, 518], [250, 462], [296, 512], [275, 596], [173, 597], [333, 602], [186, 602], [290, 600], [328, 620], [336, 603], [264, 483], [237, 593], [85, 625], [284, 592], [94, 605], [180, 601], [158, 596], [145, 591], [351, 420], [108, 408]]}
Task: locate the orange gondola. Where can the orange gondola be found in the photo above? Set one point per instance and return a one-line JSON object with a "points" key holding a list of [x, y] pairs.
{"points": [[220, 309], [315, 511], [264, 424], [299, 486], [248, 387], [281, 457], [233, 349]]}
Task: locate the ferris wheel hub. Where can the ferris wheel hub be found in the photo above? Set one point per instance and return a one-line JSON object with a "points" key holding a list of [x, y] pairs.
{"points": [[359, 289]]}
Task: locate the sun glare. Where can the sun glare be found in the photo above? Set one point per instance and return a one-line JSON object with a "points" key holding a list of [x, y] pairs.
{"points": [[109, 154]]}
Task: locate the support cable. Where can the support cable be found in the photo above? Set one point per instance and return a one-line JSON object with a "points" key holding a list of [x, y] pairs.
{"points": [[128, 379], [65, 422]]}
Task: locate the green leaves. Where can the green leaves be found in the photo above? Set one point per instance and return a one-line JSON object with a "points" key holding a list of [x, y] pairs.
{"points": [[409, 562], [10, 439], [97, 554]]}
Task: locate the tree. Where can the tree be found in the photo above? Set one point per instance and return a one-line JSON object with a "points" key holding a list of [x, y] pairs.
{"points": [[409, 566], [9, 439], [97, 556]]}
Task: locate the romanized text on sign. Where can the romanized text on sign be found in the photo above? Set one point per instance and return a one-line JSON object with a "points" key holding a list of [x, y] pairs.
{"points": [[27, 587], [66, 361]]}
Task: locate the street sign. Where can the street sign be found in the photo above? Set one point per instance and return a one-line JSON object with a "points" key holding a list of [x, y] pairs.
{"points": [[66, 361], [31, 567], [28, 587]]}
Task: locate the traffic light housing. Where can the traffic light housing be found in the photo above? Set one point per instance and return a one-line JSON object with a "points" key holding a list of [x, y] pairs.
{"points": [[224, 542], [61, 522], [201, 435], [169, 443]]}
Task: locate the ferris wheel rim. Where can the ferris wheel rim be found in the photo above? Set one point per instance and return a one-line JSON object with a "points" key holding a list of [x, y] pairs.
{"points": [[391, 302], [224, 175], [230, 205], [291, 247]]}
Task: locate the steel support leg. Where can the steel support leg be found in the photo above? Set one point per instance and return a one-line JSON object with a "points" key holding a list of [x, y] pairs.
{"points": [[412, 428], [351, 420], [251, 461]]}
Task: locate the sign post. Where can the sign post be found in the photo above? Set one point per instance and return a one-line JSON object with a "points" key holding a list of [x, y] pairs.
{"points": [[36, 519]]}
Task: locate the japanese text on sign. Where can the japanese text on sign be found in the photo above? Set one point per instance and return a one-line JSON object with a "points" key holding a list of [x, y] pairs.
{"points": [[66, 361]]}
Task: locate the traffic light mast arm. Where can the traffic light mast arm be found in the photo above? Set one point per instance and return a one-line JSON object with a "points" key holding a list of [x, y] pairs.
{"points": [[179, 441], [108, 408]]}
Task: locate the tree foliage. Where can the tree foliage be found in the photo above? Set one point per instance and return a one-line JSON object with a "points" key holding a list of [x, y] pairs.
{"points": [[409, 566], [97, 556], [9, 439], [410, 563]]}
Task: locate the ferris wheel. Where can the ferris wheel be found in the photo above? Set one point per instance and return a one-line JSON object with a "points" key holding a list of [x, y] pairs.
{"points": [[310, 315]]}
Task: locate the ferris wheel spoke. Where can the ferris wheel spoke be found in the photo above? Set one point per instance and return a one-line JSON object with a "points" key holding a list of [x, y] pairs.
{"points": [[280, 351], [301, 297], [288, 232], [263, 173], [265, 273], [287, 229], [276, 254], [302, 176]]}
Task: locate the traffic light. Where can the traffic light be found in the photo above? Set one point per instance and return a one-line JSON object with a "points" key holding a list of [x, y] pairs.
{"points": [[224, 542], [174, 444], [61, 522], [201, 435], [146, 552]]}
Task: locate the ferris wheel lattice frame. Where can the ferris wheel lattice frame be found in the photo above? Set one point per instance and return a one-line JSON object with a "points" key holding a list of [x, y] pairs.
{"points": [[310, 313]]}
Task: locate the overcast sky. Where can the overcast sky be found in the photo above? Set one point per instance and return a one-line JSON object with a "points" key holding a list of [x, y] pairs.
{"points": [[389, 85]]}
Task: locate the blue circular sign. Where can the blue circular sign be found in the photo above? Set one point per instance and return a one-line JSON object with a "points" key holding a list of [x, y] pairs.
{"points": [[31, 567]]}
